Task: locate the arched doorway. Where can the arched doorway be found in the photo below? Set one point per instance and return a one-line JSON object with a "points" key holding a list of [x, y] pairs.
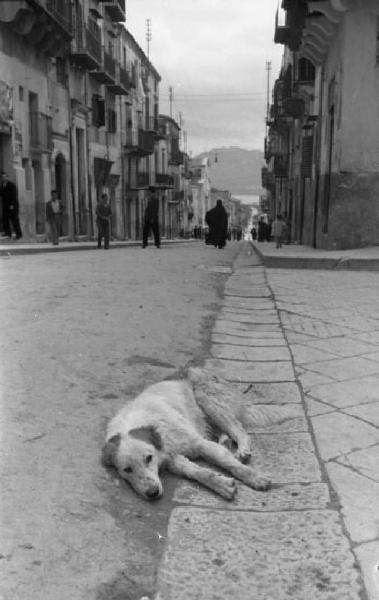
{"points": [[60, 186]]}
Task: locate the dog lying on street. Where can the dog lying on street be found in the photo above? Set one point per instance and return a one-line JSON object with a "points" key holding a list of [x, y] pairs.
{"points": [[170, 424]]}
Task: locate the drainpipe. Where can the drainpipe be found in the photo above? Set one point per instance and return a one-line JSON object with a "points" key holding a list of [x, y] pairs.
{"points": [[123, 199], [317, 157], [89, 180], [72, 186]]}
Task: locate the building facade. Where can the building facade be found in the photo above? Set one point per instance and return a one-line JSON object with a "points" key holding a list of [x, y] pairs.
{"points": [[79, 113], [322, 145]]}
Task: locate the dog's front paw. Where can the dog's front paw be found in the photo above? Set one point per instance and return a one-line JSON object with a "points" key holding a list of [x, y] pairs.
{"points": [[261, 482], [243, 454], [226, 487]]}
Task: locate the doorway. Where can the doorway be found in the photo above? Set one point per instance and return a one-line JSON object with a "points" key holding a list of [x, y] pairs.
{"points": [[60, 186]]}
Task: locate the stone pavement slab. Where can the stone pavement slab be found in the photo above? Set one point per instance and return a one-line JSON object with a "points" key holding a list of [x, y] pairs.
{"points": [[270, 393], [286, 457], [238, 371], [251, 354], [223, 326], [337, 434], [293, 496], [273, 340], [251, 316], [243, 555], [359, 498], [368, 556]]}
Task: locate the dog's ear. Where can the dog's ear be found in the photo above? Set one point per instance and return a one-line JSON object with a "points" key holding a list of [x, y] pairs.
{"points": [[109, 450], [148, 434]]}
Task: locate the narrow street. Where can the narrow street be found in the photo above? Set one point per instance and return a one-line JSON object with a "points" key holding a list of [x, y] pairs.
{"points": [[81, 334], [85, 331]]}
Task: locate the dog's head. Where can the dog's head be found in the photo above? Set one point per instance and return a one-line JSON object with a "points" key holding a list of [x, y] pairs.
{"points": [[135, 455]]}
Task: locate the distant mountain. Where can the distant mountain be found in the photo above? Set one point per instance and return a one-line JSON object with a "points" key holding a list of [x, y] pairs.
{"points": [[236, 169]]}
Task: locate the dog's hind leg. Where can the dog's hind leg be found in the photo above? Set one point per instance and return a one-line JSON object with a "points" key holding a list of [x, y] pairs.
{"points": [[221, 415], [224, 486], [220, 456]]}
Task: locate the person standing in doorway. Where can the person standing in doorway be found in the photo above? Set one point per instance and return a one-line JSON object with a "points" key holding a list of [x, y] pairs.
{"points": [[103, 221], [54, 216], [8, 193], [151, 219]]}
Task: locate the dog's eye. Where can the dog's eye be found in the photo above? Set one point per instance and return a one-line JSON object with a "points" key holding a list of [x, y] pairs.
{"points": [[148, 459], [128, 470]]}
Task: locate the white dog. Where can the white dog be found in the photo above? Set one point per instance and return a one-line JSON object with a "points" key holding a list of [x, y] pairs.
{"points": [[169, 424]]}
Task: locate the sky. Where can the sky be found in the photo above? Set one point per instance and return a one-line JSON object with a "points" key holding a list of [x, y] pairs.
{"points": [[213, 53]]}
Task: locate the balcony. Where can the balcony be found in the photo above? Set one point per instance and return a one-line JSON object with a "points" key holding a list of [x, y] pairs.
{"points": [[164, 181], [293, 107], [40, 132], [139, 143], [115, 9], [105, 73], [176, 158], [44, 24], [141, 181], [123, 84], [60, 12], [152, 124], [86, 47]]}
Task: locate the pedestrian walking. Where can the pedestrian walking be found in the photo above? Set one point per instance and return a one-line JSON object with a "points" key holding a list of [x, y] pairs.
{"points": [[261, 230], [217, 221], [253, 233], [10, 206], [103, 221], [278, 230], [53, 216], [151, 219]]}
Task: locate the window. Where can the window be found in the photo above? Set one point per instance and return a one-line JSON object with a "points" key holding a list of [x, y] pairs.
{"points": [[60, 66], [112, 121], [20, 93], [306, 71], [98, 111]]}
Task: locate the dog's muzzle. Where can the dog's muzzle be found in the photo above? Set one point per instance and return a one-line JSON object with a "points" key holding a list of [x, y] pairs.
{"points": [[153, 493]]}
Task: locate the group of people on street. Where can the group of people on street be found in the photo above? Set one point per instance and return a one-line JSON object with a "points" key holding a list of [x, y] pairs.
{"points": [[278, 229], [216, 218]]}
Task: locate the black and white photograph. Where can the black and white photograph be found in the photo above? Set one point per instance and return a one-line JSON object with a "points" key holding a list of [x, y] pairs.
{"points": [[189, 275]]}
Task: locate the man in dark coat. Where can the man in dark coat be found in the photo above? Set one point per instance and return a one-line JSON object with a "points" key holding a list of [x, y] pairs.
{"points": [[103, 220], [151, 219], [8, 193], [217, 221], [261, 230]]}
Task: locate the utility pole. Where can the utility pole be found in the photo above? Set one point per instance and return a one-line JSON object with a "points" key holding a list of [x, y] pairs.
{"points": [[171, 98], [268, 69], [180, 126], [149, 36], [185, 141]]}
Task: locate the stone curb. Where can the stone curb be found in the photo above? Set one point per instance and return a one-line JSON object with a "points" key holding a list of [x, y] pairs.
{"points": [[313, 262], [11, 249]]}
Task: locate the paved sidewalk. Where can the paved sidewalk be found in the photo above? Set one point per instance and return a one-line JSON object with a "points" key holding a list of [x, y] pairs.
{"points": [[15, 248], [312, 536], [304, 257]]}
